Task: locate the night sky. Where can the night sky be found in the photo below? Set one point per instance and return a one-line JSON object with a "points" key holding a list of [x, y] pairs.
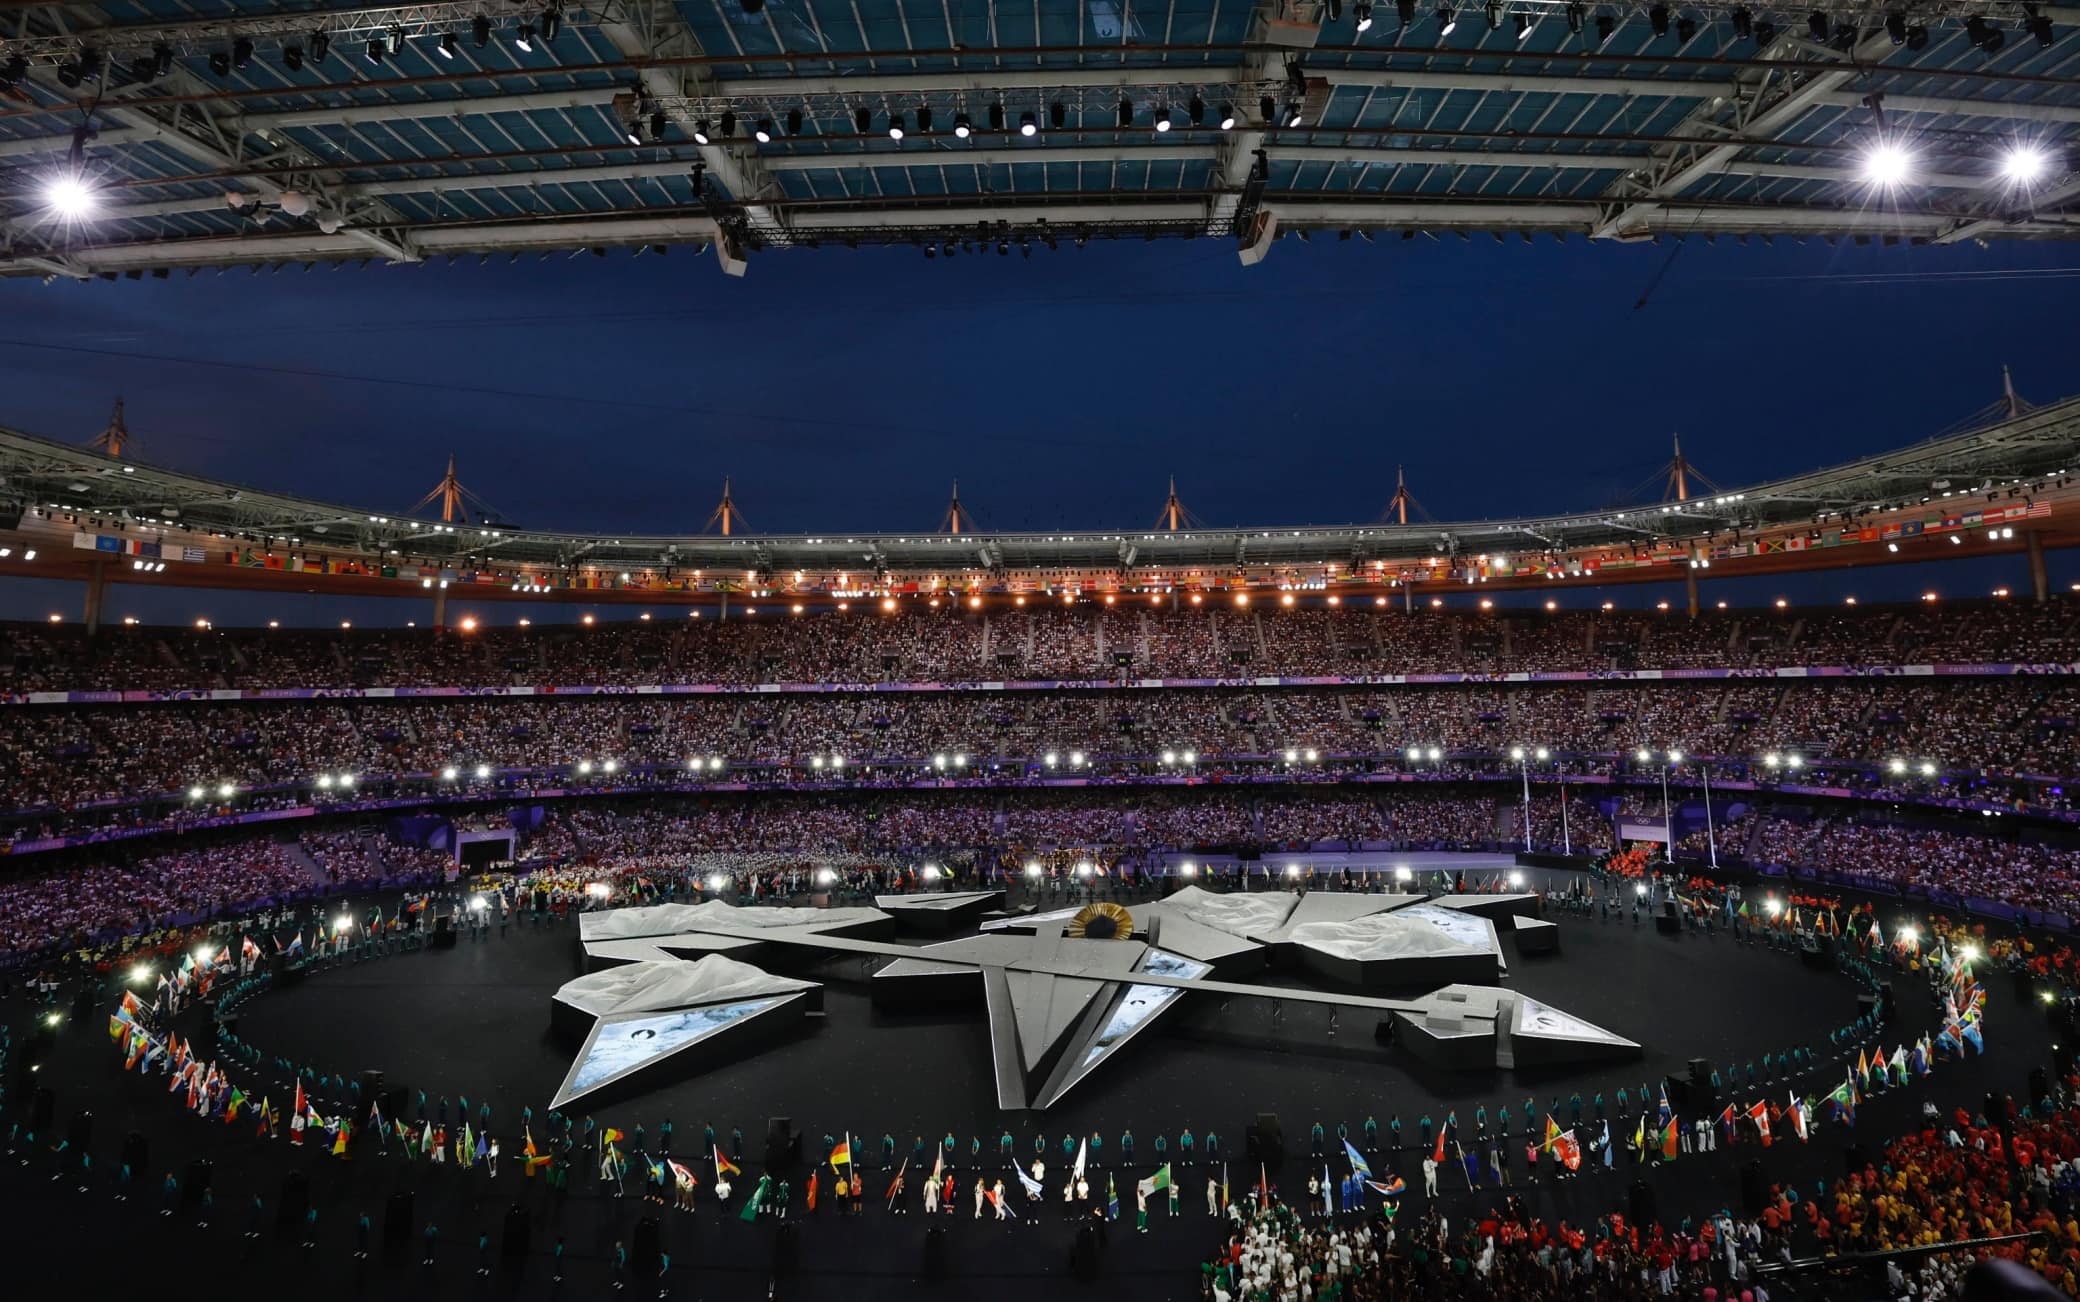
{"points": [[844, 389]]}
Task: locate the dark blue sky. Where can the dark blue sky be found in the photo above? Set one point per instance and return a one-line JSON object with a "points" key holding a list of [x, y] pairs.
{"points": [[843, 389]]}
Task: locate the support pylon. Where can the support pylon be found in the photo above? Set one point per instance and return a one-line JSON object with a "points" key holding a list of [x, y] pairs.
{"points": [[116, 437], [958, 518], [1175, 516], [725, 514], [1399, 504], [456, 500], [1680, 473]]}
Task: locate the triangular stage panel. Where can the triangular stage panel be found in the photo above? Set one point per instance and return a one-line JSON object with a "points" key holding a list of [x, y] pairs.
{"points": [[625, 1051]]}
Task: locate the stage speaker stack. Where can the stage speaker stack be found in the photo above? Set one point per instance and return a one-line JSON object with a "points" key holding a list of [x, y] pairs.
{"points": [[371, 1087], [786, 1248], [397, 1220], [1703, 1098], [1383, 1030], [783, 1146], [1666, 922], [137, 1154], [1640, 1201], [1265, 1144], [1813, 952], [1678, 1091], [200, 1173], [512, 1244], [295, 1203], [79, 1131], [646, 1249], [1754, 1192], [444, 931]]}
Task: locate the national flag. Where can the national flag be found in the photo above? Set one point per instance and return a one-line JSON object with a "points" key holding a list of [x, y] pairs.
{"points": [[842, 1154], [682, 1176], [1760, 1115], [1639, 1137], [755, 1201], [1799, 1120], [339, 1142], [1161, 1180], [531, 1159], [1032, 1187], [610, 1136], [1448, 1134], [118, 1028], [1083, 1151], [1111, 1199], [1568, 1150], [1357, 1160], [131, 1006], [238, 1100], [1393, 1187], [1844, 1100], [1328, 1197], [1668, 1140], [1665, 1112], [723, 1166], [1552, 1133]]}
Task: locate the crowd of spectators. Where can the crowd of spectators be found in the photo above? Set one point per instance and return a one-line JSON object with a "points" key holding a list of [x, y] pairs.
{"points": [[40, 910], [769, 642]]}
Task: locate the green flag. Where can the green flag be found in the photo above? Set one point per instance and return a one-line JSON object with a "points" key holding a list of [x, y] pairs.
{"points": [[757, 1199], [1155, 1183]]}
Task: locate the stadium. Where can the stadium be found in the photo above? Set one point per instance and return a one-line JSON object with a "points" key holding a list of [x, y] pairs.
{"points": [[1119, 881]]}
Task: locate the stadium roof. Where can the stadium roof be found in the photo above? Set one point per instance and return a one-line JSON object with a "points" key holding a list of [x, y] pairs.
{"points": [[2021, 465], [147, 135]]}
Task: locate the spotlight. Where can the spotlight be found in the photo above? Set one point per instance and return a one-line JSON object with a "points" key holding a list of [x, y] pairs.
{"points": [[1058, 114], [1887, 165], [1816, 25], [162, 60], [1126, 112], [446, 47], [1743, 24], [17, 67], [373, 52], [242, 53], [1896, 27], [1227, 117], [524, 39], [1162, 120], [1267, 109], [2023, 165], [1027, 126], [2038, 26], [1686, 28], [962, 127], [700, 132], [480, 31], [1446, 21], [1364, 15], [71, 198], [1576, 16], [1984, 35], [552, 23], [1605, 27], [1917, 37], [1524, 25], [996, 117], [658, 123], [924, 119], [729, 124], [895, 126], [1293, 115], [633, 132], [862, 121], [321, 45], [1765, 33], [762, 131], [1494, 15], [1657, 19], [219, 65]]}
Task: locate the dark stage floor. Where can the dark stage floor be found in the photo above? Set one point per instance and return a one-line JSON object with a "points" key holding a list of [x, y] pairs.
{"points": [[474, 1021]]}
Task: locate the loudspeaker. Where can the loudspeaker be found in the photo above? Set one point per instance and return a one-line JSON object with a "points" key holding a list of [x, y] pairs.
{"points": [[1383, 1031], [783, 1146], [1754, 1193], [786, 1248], [79, 1131], [1678, 1091], [646, 1249], [1640, 1200], [371, 1086], [42, 1106], [1700, 1071], [200, 1172], [295, 1203], [397, 1219], [1265, 1143], [1666, 922], [512, 1245], [444, 932], [137, 1154], [1867, 1007], [1083, 1254], [1885, 1003]]}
